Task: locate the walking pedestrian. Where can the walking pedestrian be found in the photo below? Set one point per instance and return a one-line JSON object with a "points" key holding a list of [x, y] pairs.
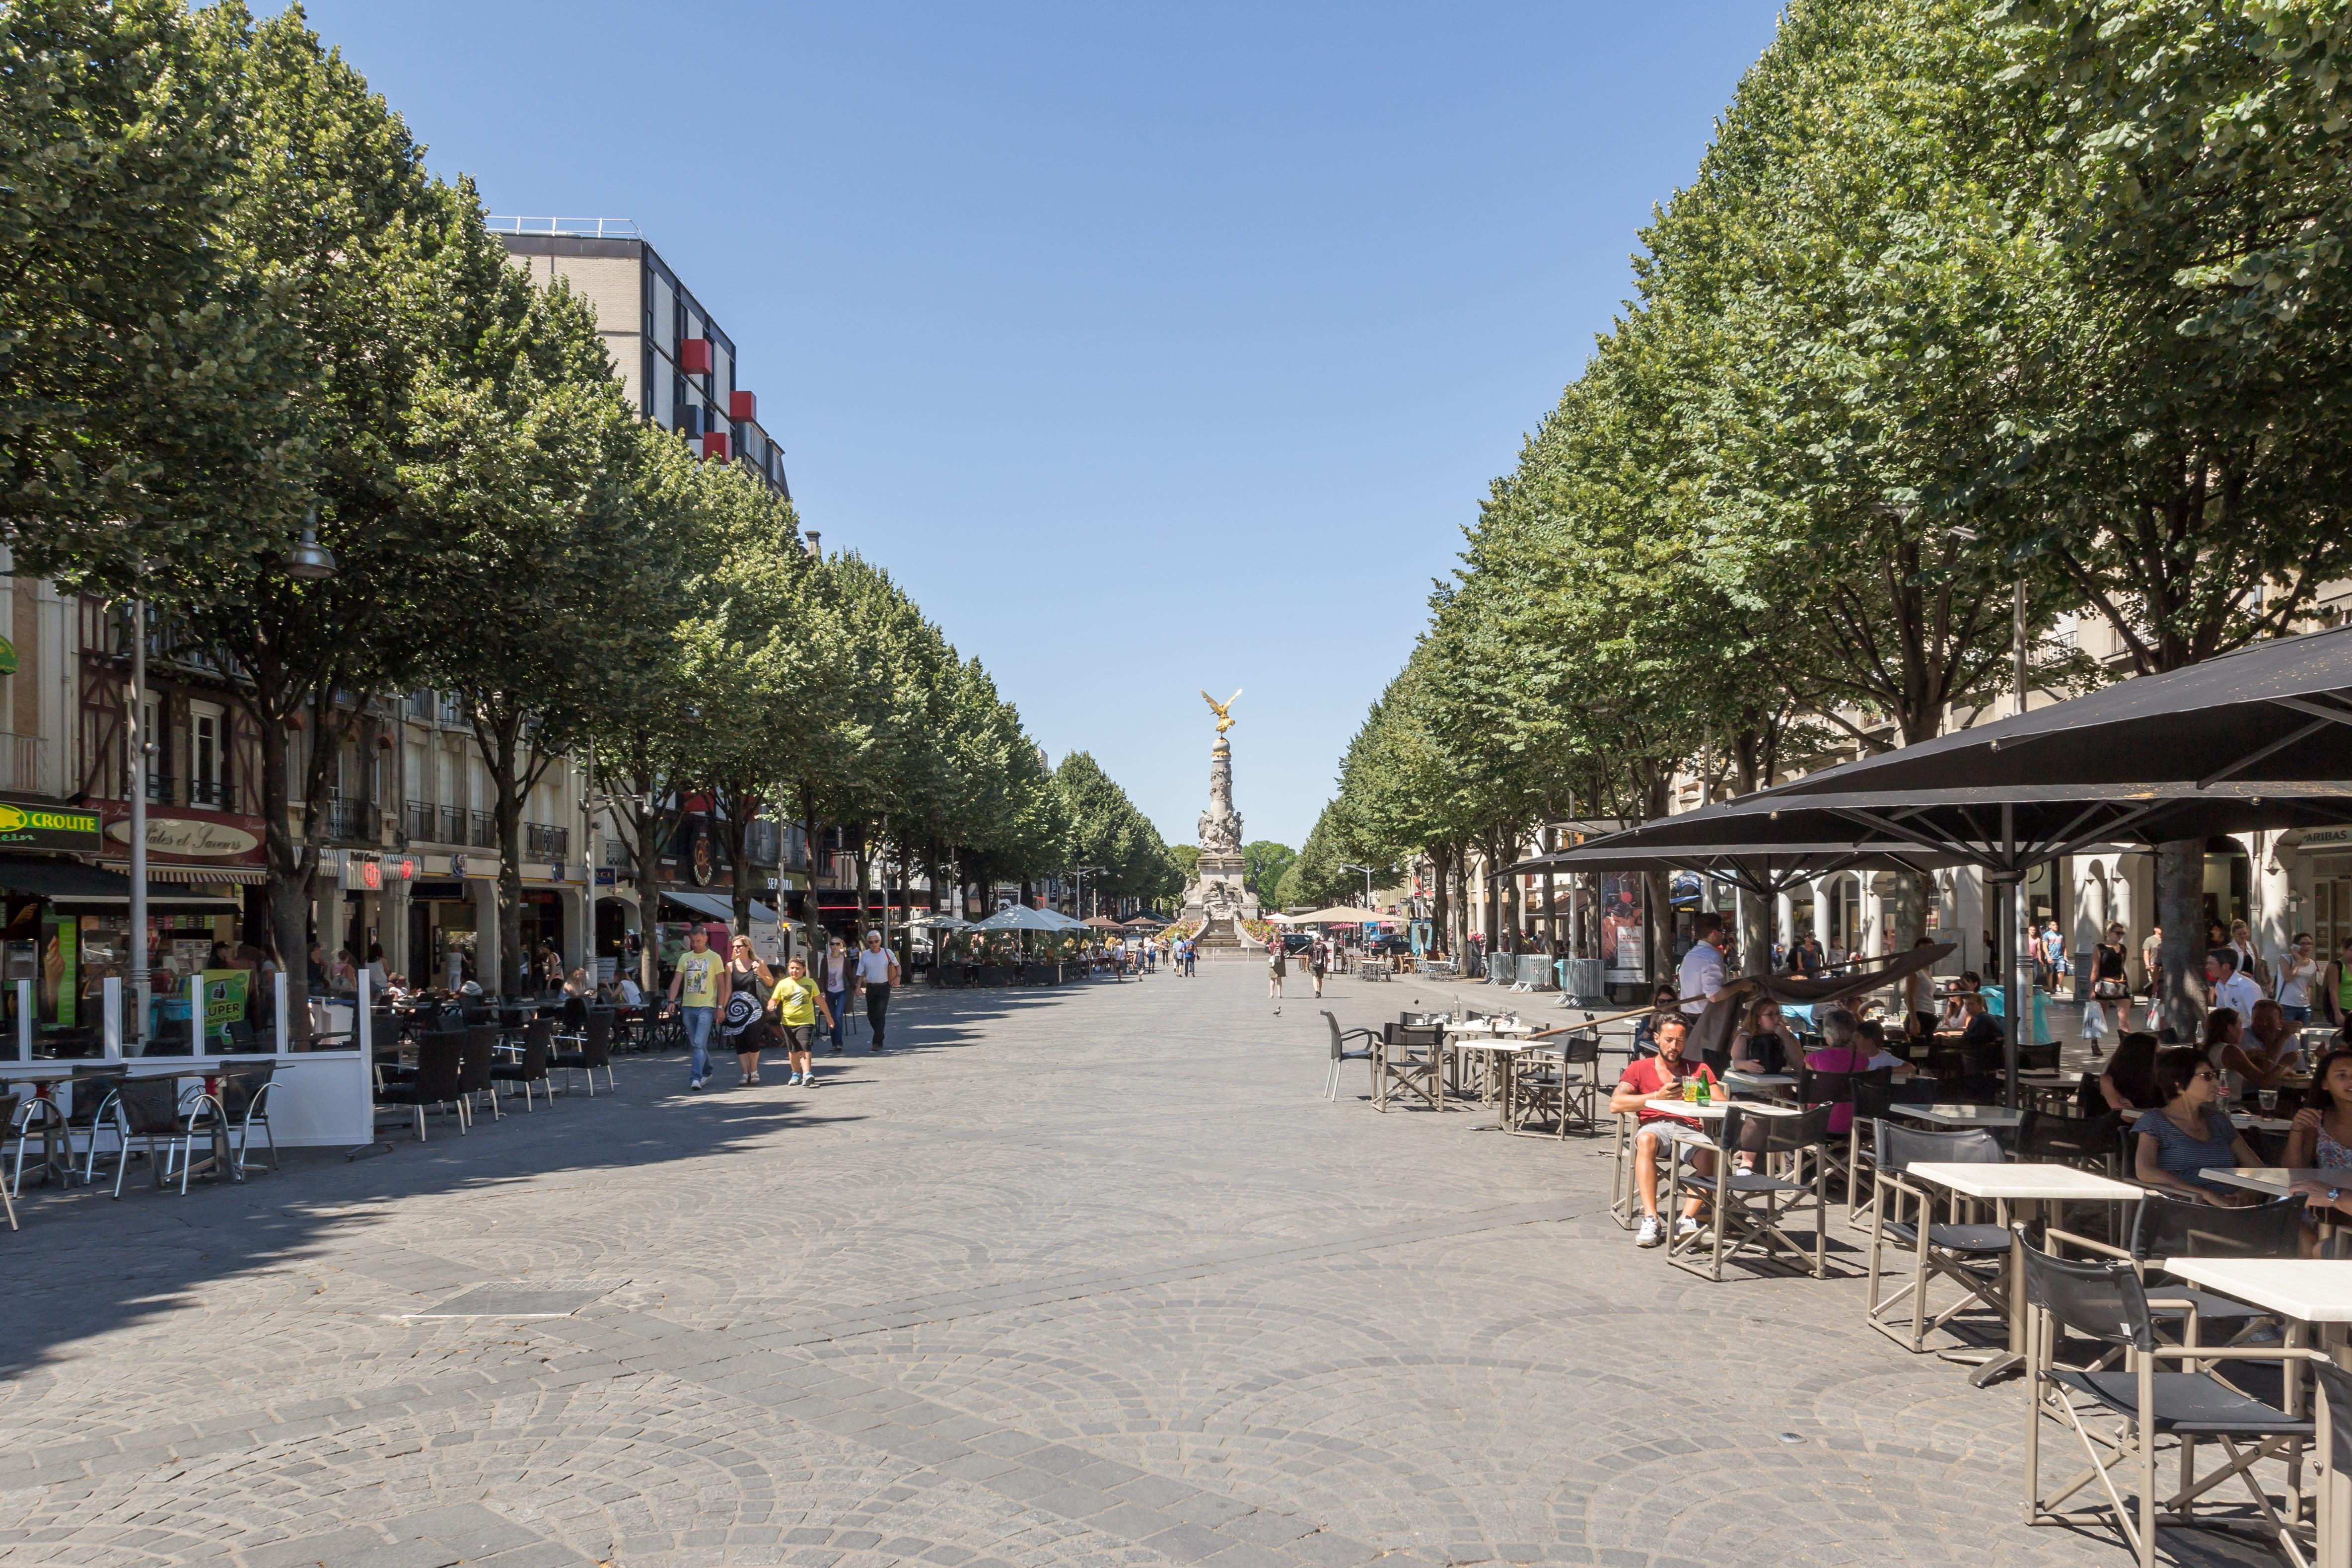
{"points": [[697, 991], [748, 982], [1317, 958], [877, 972], [796, 1004], [837, 976], [1277, 962]]}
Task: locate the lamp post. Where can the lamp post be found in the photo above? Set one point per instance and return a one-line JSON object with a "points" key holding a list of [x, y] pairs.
{"points": [[142, 976], [1078, 897], [1368, 871]]}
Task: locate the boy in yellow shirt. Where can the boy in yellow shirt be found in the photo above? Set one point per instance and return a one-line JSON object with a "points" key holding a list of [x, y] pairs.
{"points": [[797, 1004]]}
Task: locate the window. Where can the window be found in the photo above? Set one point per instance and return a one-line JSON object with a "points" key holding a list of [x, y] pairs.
{"points": [[154, 764], [207, 756]]}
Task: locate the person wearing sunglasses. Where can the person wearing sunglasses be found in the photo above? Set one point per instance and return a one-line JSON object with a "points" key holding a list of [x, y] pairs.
{"points": [[2189, 1131]]}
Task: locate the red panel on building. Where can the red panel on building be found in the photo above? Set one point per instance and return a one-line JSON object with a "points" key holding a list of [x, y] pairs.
{"points": [[694, 355], [742, 405], [715, 444]]}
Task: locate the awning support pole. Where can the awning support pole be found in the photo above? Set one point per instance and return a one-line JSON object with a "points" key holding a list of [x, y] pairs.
{"points": [[2013, 1000]]}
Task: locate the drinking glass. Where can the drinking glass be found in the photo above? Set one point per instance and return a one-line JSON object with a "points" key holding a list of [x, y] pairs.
{"points": [[2268, 1099]]}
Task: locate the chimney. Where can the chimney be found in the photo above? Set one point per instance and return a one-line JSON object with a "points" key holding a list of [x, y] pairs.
{"points": [[815, 553]]}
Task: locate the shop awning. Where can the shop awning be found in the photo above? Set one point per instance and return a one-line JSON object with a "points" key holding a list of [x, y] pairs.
{"points": [[245, 876], [710, 906], [71, 885]]}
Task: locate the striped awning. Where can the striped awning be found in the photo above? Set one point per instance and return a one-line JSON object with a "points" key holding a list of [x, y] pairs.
{"points": [[249, 876]]}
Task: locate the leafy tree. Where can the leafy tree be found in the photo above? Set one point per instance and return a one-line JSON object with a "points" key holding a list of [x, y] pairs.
{"points": [[518, 448], [1107, 831], [149, 371], [1267, 860]]}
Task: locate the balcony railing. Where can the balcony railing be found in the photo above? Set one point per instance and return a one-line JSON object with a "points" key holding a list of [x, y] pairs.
{"points": [[159, 787], [212, 793], [545, 841], [417, 819], [352, 822], [453, 825], [486, 830]]}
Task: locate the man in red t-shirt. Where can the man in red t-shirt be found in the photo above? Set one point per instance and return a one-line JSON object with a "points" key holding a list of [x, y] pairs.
{"points": [[1660, 1075]]}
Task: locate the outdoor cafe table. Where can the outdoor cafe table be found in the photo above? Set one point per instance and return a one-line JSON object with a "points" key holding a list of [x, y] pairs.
{"points": [[46, 1075], [1501, 1056], [2277, 1182], [2303, 1290], [2006, 1187], [2241, 1120]]}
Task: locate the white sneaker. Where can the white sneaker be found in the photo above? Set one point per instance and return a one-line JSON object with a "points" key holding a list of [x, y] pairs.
{"points": [[1685, 1226], [1649, 1234]]}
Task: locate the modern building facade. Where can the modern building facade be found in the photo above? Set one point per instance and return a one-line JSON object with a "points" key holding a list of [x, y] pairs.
{"points": [[679, 364]]}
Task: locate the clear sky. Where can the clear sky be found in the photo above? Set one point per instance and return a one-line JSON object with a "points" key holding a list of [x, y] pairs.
{"points": [[1151, 348]]}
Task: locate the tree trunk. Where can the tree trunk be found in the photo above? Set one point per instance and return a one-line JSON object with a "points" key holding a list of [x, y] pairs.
{"points": [[515, 963], [2180, 911], [644, 856], [1902, 894]]}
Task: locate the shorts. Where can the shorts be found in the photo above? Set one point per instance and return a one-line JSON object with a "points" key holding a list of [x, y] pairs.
{"points": [[750, 1041], [2295, 1015], [796, 1037]]}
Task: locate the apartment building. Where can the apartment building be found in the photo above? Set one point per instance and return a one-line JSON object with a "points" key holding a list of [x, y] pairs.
{"points": [[680, 365]]}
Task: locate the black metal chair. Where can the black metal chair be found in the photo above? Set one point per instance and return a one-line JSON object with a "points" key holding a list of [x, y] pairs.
{"points": [[1368, 1055], [1972, 1257], [595, 1053], [9, 1119], [243, 1102], [477, 1057], [538, 1052], [2105, 1304], [438, 1061], [1580, 1062], [148, 1109], [1872, 1099], [1747, 1209]]}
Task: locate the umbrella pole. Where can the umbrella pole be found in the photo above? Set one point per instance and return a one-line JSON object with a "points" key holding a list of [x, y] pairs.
{"points": [[2015, 1005]]}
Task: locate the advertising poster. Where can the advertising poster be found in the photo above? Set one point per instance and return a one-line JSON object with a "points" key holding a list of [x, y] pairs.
{"points": [[61, 985], [1621, 927], [225, 999]]}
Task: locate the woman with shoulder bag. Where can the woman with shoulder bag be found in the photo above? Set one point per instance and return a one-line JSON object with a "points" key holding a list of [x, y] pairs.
{"points": [[751, 981], [2109, 989]]}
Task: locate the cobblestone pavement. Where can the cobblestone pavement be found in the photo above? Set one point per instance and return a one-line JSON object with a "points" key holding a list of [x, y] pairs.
{"points": [[1092, 1277]]}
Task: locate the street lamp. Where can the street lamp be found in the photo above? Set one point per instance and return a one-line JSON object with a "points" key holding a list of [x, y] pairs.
{"points": [[1369, 872], [1078, 897], [310, 562]]}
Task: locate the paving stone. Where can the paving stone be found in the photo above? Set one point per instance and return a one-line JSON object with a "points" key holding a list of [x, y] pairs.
{"points": [[1084, 1276]]}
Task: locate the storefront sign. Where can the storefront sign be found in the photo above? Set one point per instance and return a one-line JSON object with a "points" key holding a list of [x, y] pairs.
{"points": [[48, 827], [458, 866], [2319, 838], [605, 875], [400, 869], [225, 999], [555, 871], [363, 873], [195, 836]]}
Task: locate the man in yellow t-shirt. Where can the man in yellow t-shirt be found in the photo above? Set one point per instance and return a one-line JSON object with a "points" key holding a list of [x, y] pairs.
{"points": [[797, 1004], [696, 991]]}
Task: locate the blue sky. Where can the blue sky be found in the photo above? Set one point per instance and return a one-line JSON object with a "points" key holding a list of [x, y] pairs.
{"points": [[1152, 348]]}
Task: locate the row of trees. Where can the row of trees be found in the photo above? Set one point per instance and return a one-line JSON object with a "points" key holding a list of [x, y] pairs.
{"points": [[1960, 295], [236, 307]]}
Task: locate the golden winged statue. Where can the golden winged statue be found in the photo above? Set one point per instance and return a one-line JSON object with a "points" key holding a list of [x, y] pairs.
{"points": [[1225, 720]]}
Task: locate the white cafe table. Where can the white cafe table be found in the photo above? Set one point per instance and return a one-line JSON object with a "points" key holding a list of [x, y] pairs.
{"points": [[2304, 1290], [1502, 1056], [2008, 1186], [1959, 1116], [1760, 1082], [1674, 1104]]}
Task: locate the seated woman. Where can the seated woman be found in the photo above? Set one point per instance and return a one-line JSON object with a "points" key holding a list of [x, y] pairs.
{"points": [[1952, 1022], [1975, 1026], [2226, 1048], [1762, 1043], [2190, 1132], [2268, 1034], [2322, 1136], [1846, 1049], [2129, 1083]]}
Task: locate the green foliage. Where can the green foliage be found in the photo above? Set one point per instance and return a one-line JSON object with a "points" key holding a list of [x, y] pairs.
{"points": [[1267, 860], [148, 372], [1106, 830]]}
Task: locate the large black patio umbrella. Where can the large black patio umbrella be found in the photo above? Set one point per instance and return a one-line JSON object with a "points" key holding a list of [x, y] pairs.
{"points": [[2255, 740]]}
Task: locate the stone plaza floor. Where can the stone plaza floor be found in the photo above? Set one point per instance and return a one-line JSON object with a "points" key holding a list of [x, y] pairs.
{"points": [[1091, 1276]]}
